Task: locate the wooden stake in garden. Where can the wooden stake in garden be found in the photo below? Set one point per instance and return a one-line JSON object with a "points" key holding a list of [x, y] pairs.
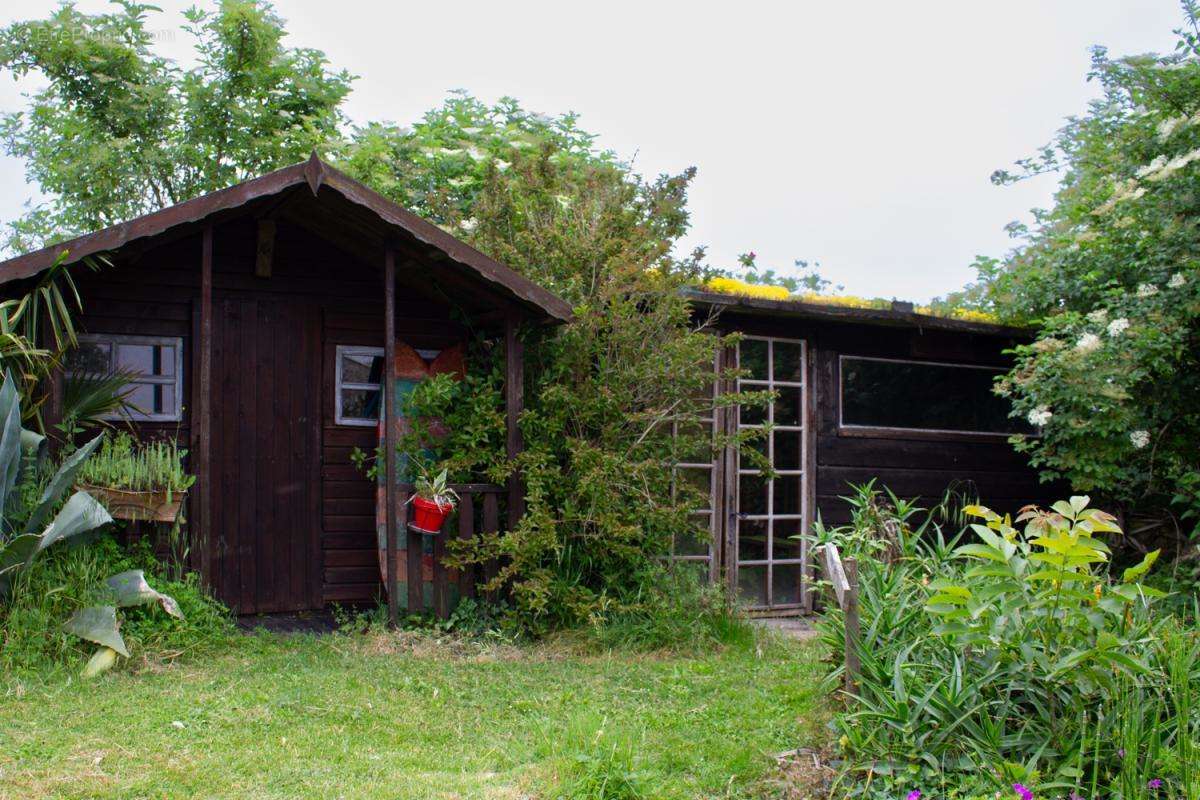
{"points": [[845, 589]]}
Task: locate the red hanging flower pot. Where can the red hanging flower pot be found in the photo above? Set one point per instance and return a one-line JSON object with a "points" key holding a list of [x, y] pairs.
{"points": [[429, 515]]}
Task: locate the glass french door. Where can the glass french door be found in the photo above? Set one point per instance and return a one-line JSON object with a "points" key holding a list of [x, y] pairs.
{"points": [[769, 552]]}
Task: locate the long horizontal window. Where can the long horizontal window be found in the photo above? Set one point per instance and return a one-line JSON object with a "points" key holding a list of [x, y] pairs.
{"points": [[922, 395]]}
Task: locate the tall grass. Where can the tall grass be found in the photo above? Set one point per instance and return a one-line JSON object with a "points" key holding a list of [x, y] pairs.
{"points": [[122, 462]]}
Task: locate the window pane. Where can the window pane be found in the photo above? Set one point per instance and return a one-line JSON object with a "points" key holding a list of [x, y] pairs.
{"points": [[782, 532], [152, 398], [695, 486], [787, 495], [752, 540], [90, 358], [785, 584], [898, 394], [752, 494], [694, 442], [787, 449], [752, 585], [789, 366], [787, 405], [146, 359], [753, 357], [360, 404], [752, 415], [361, 368], [694, 541]]}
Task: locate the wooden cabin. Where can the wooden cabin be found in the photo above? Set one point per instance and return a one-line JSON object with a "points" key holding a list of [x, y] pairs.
{"points": [[901, 398], [252, 317]]}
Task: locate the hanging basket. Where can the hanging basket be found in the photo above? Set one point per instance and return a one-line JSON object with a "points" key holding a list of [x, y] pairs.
{"points": [[428, 515], [159, 506]]}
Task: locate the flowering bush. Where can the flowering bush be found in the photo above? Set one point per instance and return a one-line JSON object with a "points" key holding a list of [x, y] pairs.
{"points": [[1110, 275]]}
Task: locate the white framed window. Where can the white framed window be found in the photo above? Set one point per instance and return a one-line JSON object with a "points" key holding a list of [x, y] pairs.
{"points": [[359, 376], [155, 364]]}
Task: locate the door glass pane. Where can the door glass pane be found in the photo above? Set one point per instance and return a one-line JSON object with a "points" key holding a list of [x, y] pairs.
{"points": [[752, 497], [695, 486], [787, 449], [787, 494], [787, 405], [752, 415], [782, 531], [786, 582], [753, 358], [695, 540], [789, 363], [752, 585], [694, 442], [752, 540]]}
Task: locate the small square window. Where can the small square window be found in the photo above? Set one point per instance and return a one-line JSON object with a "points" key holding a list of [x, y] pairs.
{"points": [[359, 378], [154, 365]]}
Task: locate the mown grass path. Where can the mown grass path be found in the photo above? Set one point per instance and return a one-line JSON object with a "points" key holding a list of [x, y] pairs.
{"points": [[380, 716]]}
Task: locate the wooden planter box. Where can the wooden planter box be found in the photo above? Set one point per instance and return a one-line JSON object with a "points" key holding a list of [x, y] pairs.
{"points": [[146, 506]]}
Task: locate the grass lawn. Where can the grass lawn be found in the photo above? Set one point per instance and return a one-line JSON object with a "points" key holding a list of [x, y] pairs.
{"points": [[386, 716]]}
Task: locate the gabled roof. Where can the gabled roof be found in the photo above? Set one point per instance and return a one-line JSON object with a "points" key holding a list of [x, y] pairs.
{"points": [[316, 174], [899, 315]]}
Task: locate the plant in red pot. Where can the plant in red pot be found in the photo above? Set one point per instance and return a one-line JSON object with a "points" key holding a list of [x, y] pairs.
{"points": [[432, 502]]}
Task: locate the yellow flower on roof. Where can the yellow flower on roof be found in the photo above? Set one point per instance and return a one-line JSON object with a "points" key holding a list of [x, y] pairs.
{"points": [[734, 286]]}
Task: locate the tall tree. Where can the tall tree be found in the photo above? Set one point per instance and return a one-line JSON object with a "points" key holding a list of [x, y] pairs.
{"points": [[119, 131]]}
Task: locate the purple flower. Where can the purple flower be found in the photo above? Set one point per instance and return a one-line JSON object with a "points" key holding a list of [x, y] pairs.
{"points": [[1121, 752], [1024, 793], [915, 794], [1074, 796], [1156, 783]]}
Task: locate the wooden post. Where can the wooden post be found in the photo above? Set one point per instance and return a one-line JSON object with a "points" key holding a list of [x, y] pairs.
{"points": [[853, 665], [389, 430], [514, 404], [204, 409]]}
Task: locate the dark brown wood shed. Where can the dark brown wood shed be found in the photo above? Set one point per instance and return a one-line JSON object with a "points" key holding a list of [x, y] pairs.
{"points": [[254, 316]]}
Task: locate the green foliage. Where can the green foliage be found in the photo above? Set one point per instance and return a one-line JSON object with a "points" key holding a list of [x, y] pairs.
{"points": [[33, 515], [72, 578], [1018, 658], [119, 131], [1109, 275], [122, 462]]}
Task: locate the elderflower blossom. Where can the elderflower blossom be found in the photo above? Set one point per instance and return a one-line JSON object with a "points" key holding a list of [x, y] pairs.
{"points": [[1039, 416], [1099, 315], [1139, 439], [1147, 290], [468, 224], [1177, 280], [1088, 343], [1118, 326]]}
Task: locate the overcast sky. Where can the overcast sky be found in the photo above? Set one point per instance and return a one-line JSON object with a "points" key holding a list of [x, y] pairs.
{"points": [[860, 135]]}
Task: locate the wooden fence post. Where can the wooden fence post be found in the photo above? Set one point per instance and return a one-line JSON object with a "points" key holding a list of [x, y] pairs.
{"points": [[853, 665]]}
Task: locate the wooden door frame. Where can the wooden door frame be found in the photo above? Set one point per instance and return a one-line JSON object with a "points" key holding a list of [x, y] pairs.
{"points": [[725, 501]]}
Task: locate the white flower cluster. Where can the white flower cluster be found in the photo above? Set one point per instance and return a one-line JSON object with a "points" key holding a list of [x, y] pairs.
{"points": [[1088, 343], [1118, 326], [1177, 280], [1039, 416], [1099, 315], [1147, 290], [1162, 168], [1139, 439]]}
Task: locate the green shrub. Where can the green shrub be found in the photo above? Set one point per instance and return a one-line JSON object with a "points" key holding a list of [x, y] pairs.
{"points": [[122, 462], [1018, 658]]}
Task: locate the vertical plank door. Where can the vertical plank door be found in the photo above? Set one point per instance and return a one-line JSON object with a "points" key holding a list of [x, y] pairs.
{"points": [[266, 454]]}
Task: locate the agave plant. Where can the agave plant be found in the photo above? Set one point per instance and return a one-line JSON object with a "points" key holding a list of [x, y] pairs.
{"points": [[27, 529], [99, 624]]}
